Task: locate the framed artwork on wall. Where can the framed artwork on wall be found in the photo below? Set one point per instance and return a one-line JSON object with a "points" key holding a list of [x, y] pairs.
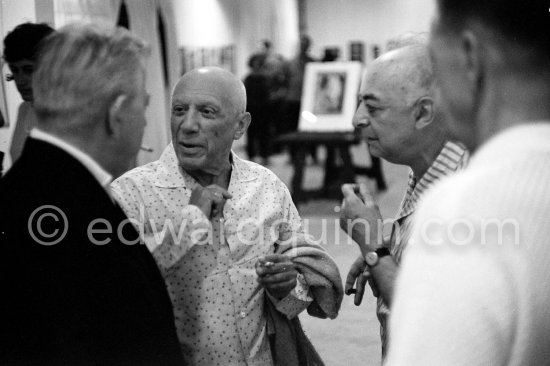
{"points": [[329, 96]]}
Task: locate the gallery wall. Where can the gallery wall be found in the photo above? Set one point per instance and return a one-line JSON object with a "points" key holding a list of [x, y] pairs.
{"points": [[144, 18], [334, 23], [210, 31]]}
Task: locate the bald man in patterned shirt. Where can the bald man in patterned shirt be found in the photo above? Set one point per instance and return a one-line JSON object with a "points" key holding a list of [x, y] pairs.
{"points": [[228, 216]]}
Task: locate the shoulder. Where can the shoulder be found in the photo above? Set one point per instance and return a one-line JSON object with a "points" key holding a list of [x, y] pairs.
{"points": [[251, 170], [138, 177], [501, 200]]}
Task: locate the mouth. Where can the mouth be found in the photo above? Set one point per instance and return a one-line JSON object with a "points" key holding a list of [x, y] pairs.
{"points": [[190, 147]]}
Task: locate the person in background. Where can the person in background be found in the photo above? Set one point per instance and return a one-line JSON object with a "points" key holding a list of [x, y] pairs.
{"points": [[241, 262], [399, 119], [473, 288], [295, 70], [21, 47], [78, 288], [275, 70], [258, 134]]}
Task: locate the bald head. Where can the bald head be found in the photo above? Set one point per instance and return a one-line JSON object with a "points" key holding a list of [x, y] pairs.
{"points": [[407, 71], [397, 114], [208, 114], [407, 39], [230, 89]]}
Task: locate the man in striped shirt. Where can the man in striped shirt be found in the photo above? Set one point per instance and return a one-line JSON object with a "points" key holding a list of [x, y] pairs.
{"points": [[400, 122]]}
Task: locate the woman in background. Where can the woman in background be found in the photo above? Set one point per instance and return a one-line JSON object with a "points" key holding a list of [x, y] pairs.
{"points": [[20, 50]]}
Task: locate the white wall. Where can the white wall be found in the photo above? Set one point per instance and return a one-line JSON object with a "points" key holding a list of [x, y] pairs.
{"points": [[143, 21], [337, 22], [243, 23], [202, 23]]}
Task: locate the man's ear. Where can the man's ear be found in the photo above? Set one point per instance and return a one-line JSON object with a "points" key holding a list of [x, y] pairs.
{"points": [[115, 120], [473, 52], [424, 112], [242, 125]]}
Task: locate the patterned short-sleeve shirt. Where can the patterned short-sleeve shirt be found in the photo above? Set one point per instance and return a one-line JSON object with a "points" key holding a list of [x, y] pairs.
{"points": [[218, 304], [451, 158]]}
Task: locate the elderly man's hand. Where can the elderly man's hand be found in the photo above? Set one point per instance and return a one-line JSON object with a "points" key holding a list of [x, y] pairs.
{"points": [[359, 275], [210, 200], [359, 212], [277, 274]]}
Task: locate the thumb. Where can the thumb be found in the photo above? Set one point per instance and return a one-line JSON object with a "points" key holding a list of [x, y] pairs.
{"points": [[348, 190], [366, 196]]}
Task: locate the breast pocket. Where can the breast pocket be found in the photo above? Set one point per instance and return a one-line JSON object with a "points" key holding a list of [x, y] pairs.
{"points": [[252, 238]]}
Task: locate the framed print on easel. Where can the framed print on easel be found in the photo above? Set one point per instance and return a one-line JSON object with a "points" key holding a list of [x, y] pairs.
{"points": [[329, 96]]}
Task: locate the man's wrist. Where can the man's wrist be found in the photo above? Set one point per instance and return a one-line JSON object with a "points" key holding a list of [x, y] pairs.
{"points": [[373, 257]]}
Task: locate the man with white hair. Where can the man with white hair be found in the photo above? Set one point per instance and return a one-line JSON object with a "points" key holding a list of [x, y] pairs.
{"points": [[75, 290], [400, 121], [226, 233]]}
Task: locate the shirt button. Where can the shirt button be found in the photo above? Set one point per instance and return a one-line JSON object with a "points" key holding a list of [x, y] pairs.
{"points": [[242, 314]]}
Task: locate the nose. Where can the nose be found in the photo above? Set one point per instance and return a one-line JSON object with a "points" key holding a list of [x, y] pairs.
{"points": [[360, 118], [190, 123]]}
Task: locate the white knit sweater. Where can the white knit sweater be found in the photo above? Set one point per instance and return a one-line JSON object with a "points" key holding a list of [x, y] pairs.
{"points": [[466, 296]]}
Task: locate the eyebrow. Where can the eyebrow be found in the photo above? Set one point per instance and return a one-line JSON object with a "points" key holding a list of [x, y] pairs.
{"points": [[369, 96]]}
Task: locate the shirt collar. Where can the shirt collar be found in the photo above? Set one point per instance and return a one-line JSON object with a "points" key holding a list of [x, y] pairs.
{"points": [[451, 158], [95, 169], [170, 175]]}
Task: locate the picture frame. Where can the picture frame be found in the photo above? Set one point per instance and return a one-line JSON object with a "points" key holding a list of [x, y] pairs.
{"points": [[329, 96]]}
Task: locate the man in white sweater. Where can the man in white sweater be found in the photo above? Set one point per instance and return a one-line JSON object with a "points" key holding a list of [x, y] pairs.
{"points": [[474, 285]]}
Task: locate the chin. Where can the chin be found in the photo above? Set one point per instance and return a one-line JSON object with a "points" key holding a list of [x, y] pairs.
{"points": [[189, 164], [373, 151]]}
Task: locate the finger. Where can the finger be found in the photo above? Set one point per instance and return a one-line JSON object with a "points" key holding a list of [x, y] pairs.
{"points": [[223, 192], [275, 258], [366, 196], [263, 270], [361, 282], [274, 268], [348, 190], [201, 199], [286, 285], [353, 273], [278, 277]]}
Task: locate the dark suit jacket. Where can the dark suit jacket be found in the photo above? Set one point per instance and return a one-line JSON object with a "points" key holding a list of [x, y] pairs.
{"points": [[75, 302]]}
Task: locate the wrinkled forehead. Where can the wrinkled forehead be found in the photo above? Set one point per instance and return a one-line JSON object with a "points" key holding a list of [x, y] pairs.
{"points": [[209, 86]]}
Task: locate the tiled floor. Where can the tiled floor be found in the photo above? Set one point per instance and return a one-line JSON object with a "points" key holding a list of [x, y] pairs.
{"points": [[353, 337]]}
